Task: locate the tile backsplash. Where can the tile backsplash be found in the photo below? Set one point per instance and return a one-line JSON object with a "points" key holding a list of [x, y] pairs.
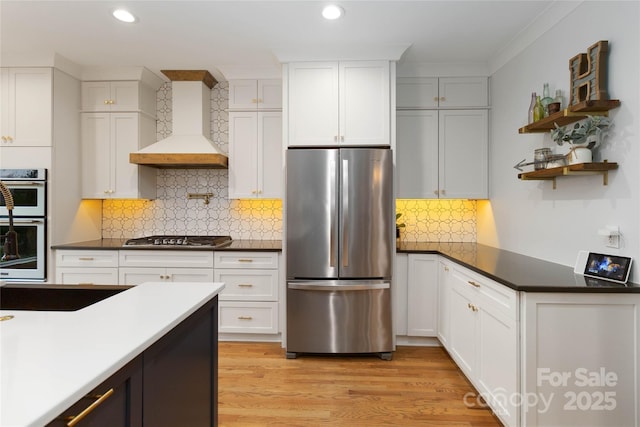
{"points": [[173, 213]]}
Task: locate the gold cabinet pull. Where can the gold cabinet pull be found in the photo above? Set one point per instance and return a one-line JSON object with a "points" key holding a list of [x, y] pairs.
{"points": [[474, 284], [86, 283], [245, 285], [245, 318], [86, 258], [245, 260], [75, 419]]}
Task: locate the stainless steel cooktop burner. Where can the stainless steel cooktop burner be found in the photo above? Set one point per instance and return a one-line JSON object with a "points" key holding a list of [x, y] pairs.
{"points": [[180, 241]]}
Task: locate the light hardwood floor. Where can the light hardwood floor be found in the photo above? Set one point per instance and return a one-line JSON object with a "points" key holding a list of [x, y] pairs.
{"points": [[421, 386]]}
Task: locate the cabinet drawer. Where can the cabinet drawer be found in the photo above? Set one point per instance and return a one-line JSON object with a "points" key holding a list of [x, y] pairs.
{"points": [[248, 317], [489, 294], [245, 260], [162, 258], [87, 276], [82, 258], [248, 285]]}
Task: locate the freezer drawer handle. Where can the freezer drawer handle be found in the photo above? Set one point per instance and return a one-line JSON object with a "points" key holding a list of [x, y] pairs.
{"points": [[339, 288]]}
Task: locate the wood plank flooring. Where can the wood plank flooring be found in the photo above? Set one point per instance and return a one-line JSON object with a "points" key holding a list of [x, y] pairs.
{"points": [[421, 386]]}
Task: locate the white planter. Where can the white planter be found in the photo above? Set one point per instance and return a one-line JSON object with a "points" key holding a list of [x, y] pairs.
{"points": [[579, 155]]}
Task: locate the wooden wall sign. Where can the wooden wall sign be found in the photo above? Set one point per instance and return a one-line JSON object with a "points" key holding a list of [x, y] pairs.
{"points": [[589, 74]]}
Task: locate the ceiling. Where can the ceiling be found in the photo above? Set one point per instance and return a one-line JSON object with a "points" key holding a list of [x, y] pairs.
{"points": [[226, 36]]}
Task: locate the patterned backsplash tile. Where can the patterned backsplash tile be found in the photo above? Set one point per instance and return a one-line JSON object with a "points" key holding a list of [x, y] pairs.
{"points": [[173, 213]]}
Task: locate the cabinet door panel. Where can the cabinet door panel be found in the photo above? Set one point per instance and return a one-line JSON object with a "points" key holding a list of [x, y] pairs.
{"points": [[463, 151], [269, 165], [136, 276], [422, 314], [87, 276], [270, 94], [243, 155], [444, 304], [417, 154], [417, 92], [30, 107], [313, 104], [190, 274], [95, 96], [125, 96], [498, 361], [96, 155], [463, 330], [242, 94], [124, 138], [463, 92], [364, 102]]}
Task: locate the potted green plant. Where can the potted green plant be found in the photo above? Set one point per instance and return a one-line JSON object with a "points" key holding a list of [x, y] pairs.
{"points": [[399, 225], [583, 137]]}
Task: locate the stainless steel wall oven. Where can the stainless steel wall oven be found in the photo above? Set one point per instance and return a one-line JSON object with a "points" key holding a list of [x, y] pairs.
{"points": [[28, 189]]}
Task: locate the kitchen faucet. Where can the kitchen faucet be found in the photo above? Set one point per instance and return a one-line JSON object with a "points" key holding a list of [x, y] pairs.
{"points": [[10, 249]]}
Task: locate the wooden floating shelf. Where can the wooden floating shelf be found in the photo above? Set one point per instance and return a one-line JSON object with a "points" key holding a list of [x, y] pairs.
{"points": [[571, 114], [579, 169]]}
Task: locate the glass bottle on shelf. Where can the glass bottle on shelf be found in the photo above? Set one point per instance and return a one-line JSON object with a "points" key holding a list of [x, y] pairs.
{"points": [[546, 99], [532, 106], [558, 98], [538, 110]]}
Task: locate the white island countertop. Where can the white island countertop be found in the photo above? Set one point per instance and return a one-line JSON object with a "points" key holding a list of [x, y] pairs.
{"points": [[49, 360]]}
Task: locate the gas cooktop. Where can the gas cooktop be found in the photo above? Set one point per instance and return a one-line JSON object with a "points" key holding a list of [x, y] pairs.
{"points": [[180, 241]]}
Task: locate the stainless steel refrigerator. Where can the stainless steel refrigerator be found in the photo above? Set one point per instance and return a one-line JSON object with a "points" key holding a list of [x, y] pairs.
{"points": [[340, 241]]}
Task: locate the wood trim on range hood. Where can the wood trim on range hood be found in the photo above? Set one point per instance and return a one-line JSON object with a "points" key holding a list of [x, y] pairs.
{"points": [[189, 147]]}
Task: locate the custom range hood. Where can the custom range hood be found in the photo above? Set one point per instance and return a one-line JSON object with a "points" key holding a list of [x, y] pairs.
{"points": [[189, 145]]}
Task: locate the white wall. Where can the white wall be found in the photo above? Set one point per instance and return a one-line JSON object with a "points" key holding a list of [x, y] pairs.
{"points": [[530, 217]]}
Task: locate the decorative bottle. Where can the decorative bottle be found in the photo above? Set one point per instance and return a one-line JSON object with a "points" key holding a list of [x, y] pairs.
{"points": [[546, 99], [532, 106], [558, 98], [538, 110]]}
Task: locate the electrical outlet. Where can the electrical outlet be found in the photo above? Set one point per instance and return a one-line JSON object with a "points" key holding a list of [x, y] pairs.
{"points": [[613, 239]]}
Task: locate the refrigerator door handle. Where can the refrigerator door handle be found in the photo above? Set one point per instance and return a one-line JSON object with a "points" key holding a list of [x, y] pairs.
{"points": [[345, 212], [338, 288], [332, 217]]}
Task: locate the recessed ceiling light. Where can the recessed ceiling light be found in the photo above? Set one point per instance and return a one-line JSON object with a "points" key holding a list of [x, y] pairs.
{"points": [[124, 16], [332, 12]]}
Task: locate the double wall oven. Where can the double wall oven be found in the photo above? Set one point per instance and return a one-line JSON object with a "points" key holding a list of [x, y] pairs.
{"points": [[28, 189]]}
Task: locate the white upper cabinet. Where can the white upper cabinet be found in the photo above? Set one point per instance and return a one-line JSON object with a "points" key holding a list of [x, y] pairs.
{"points": [[339, 103], [107, 140], [248, 94], [442, 92], [255, 155], [442, 154], [417, 154], [118, 96], [26, 116], [463, 154]]}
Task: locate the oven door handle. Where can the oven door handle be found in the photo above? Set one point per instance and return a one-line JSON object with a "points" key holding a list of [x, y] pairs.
{"points": [[22, 221], [23, 184]]}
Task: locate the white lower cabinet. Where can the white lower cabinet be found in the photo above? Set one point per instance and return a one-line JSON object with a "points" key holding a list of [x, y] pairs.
{"points": [[249, 302], [580, 359], [80, 267], [483, 339], [164, 265], [422, 295], [445, 277]]}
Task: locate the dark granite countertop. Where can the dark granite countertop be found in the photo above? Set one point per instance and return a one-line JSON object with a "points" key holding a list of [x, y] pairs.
{"points": [[519, 272], [236, 245]]}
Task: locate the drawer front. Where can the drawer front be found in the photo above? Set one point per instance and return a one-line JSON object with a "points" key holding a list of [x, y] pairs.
{"points": [[87, 276], [138, 275], [248, 285], [81, 258], [232, 259], [248, 317], [166, 259], [490, 294]]}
